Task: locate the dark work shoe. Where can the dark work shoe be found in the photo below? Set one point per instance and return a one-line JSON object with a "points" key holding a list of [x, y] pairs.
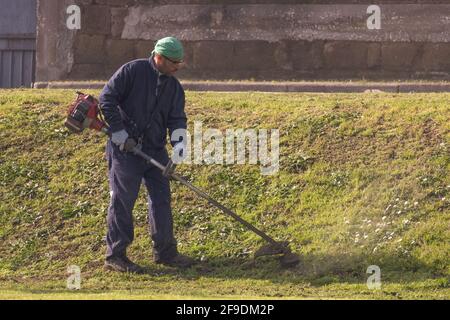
{"points": [[178, 261], [122, 264]]}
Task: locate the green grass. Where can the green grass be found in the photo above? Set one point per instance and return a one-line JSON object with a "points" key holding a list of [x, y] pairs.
{"points": [[364, 180]]}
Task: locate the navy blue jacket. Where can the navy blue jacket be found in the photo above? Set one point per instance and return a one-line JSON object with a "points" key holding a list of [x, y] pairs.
{"points": [[133, 94]]}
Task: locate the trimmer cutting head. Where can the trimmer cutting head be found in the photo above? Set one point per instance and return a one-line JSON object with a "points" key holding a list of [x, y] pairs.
{"points": [[287, 258]]}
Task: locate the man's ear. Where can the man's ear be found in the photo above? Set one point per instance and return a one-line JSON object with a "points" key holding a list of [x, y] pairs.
{"points": [[158, 58]]}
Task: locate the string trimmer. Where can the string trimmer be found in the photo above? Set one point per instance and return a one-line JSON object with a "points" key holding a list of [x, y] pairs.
{"points": [[84, 113]]}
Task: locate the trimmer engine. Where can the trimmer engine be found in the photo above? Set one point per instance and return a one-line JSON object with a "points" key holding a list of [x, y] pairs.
{"points": [[84, 113]]}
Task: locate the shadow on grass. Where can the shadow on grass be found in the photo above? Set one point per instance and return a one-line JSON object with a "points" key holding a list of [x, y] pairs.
{"points": [[317, 270]]}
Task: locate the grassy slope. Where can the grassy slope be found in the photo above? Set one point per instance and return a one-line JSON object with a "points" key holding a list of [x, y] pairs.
{"points": [[364, 180]]}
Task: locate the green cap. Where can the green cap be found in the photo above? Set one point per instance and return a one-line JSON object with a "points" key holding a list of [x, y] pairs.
{"points": [[170, 47]]}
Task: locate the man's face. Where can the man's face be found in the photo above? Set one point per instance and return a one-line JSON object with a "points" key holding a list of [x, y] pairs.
{"points": [[166, 65]]}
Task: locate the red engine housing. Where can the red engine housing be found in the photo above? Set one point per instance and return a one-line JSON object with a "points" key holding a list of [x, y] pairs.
{"points": [[84, 113]]}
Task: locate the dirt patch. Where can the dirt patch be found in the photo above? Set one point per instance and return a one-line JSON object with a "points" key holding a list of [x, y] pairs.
{"points": [[430, 133], [345, 150]]}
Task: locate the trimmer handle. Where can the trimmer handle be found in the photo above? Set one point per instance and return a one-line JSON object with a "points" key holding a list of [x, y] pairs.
{"points": [[169, 169]]}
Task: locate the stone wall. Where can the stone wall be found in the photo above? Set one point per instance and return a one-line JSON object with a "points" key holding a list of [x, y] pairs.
{"points": [[290, 40]]}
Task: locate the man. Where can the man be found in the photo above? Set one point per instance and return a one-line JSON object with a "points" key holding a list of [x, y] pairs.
{"points": [[143, 100]]}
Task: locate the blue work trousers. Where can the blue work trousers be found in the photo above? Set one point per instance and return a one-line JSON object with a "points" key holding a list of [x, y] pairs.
{"points": [[126, 174]]}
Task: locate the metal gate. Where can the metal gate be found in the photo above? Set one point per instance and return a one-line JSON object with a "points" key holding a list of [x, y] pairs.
{"points": [[17, 43]]}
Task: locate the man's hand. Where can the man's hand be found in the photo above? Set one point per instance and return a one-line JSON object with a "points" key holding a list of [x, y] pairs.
{"points": [[179, 153], [119, 138]]}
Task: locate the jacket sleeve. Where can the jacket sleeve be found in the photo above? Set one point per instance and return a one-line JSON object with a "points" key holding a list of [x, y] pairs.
{"points": [[177, 117], [113, 94]]}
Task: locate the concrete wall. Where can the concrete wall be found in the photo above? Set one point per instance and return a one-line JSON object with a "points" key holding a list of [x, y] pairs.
{"points": [[290, 40]]}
